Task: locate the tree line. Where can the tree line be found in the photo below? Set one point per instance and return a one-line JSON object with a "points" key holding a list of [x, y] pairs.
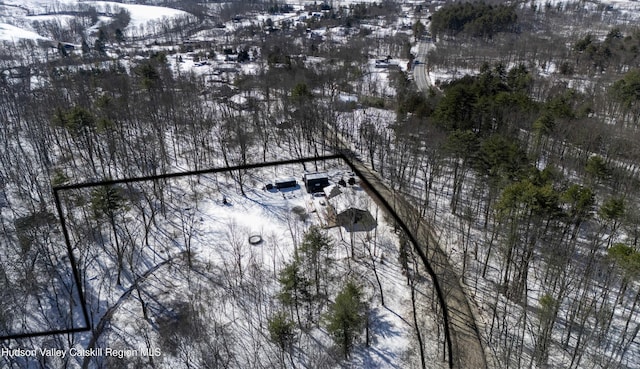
{"points": [[476, 19], [500, 159]]}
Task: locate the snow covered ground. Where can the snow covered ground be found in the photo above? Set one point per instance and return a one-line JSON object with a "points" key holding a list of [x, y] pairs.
{"points": [[14, 34], [231, 285], [261, 212], [17, 16], [141, 15]]}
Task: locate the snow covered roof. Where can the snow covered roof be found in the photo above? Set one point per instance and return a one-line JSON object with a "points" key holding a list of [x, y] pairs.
{"points": [[350, 198], [284, 180], [332, 191], [317, 175]]}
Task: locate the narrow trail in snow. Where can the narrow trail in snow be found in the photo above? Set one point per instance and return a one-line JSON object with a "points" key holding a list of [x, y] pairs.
{"points": [[106, 318]]}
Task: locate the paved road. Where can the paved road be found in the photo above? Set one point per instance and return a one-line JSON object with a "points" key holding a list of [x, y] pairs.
{"points": [[420, 71], [467, 351], [466, 345]]}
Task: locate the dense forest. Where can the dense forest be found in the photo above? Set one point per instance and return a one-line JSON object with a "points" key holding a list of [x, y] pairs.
{"points": [[541, 179], [476, 19]]}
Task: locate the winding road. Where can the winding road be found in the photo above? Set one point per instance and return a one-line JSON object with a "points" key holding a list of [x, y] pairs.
{"points": [[467, 351]]}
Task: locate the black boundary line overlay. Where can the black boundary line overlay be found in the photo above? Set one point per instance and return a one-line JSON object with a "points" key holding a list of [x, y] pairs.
{"points": [[342, 156], [76, 273], [76, 279], [421, 254], [195, 172]]}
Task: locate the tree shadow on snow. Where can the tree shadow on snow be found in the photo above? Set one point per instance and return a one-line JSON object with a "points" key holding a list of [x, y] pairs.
{"points": [[381, 351]]}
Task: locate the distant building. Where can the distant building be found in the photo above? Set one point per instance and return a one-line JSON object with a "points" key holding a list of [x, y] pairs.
{"points": [[225, 68], [316, 181], [386, 63], [382, 64]]}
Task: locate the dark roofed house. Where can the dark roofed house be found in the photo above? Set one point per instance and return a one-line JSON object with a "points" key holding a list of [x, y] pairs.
{"points": [[285, 182], [350, 209], [316, 181]]}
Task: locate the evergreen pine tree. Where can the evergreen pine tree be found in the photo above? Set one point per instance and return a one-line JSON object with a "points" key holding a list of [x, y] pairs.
{"points": [[346, 317]]}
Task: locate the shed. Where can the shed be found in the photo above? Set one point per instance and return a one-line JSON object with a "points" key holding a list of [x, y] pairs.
{"points": [[316, 181], [285, 182]]}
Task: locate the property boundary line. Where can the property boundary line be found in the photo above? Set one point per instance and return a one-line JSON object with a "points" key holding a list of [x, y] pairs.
{"points": [[421, 254], [57, 190], [342, 156], [76, 280]]}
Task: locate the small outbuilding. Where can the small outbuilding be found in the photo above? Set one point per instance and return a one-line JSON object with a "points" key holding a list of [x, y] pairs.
{"points": [[285, 182], [316, 181]]}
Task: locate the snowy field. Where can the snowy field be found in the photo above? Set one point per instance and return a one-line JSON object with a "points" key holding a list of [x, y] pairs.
{"points": [[141, 15], [17, 17], [12, 33]]}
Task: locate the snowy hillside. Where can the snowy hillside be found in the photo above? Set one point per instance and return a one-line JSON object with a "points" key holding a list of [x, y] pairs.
{"points": [[13, 33], [40, 19], [140, 14]]}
